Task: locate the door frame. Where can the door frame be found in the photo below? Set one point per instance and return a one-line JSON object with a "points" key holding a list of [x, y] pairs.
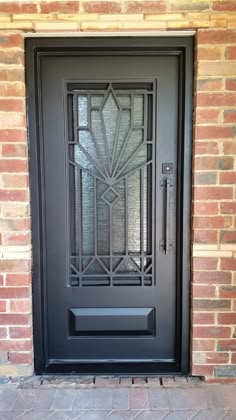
{"points": [[182, 47]]}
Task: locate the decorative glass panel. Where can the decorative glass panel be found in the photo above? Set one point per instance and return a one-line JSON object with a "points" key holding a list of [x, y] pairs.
{"points": [[111, 187]]}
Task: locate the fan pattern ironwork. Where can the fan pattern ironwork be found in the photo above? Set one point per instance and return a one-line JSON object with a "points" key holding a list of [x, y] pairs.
{"points": [[110, 160]]}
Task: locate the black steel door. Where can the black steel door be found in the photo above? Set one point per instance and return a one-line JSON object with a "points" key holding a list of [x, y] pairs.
{"points": [[110, 133]]}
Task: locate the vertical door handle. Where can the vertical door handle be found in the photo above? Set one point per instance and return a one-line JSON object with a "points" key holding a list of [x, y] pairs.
{"points": [[166, 244], [167, 221]]}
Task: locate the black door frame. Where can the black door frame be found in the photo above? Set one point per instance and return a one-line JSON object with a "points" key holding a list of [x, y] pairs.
{"points": [[182, 47]]}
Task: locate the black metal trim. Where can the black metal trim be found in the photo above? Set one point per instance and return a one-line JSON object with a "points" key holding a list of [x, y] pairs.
{"points": [[111, 368], [180, 46]]}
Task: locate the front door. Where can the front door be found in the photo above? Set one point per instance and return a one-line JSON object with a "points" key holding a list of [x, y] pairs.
{"points": [[111, 143]]}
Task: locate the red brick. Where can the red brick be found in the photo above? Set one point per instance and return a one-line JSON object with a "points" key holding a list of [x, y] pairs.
{"points": [[227, 292], [203, 345], [224, 6], [60, 6], [230, 52], [17, 7], [11, 56], [102, 7], [15, 181], [211, 305], [13, 165], [202, 370], [228, 208], [213, 132], [221, 380], [206, 236], [211, 332], [13, 279], [1, 279], [228, 264], [234, 305], [219, 36], [2, 304], [233, 360], [14, 319], [206, 148], [12, 89], [230, 117], [20, 332], [229, 148], [215, 358], [20, 358], [17, 238], [10, 345], [212, 277], [228, 178], [209, 53], [12, 75], [13, 195], [230, 84], [204, 263], [228, 237], [14, 150], [205, 208], [209, 85], [226, 345], [16, 105], [14, 292], [211, 222], [215, 99], [203, 318], [3, 332], [146, 6], [15, 266], [213, 193], [206, 163], [227, 318], [11, 40], [8, 136], [20, 306], [203, 291], [207, 115]]}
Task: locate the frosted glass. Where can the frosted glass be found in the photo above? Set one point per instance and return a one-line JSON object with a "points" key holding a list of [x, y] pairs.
{"points": [[138, 109], [82, 110]]}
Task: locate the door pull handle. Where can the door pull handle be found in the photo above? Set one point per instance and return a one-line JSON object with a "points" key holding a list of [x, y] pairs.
{"points": [[166, 244]]}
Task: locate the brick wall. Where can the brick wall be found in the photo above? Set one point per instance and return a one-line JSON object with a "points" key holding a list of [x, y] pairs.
{"points": [[213, 341]]}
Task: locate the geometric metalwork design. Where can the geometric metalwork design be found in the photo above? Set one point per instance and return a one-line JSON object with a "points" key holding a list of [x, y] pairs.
{"points": [[111, 185], [110, 196]]}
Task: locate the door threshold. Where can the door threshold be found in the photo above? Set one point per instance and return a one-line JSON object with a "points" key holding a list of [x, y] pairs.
{"points": [[93, 382]]}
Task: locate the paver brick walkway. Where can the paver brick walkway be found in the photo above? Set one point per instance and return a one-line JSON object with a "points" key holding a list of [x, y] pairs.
{"points": [[205, 402]]}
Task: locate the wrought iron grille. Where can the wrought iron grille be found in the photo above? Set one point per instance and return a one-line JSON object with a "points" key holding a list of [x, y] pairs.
{"points": [[111, 183]]}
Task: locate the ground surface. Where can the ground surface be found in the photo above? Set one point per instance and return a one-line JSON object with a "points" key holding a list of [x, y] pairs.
{"points": [[68, 400]]}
